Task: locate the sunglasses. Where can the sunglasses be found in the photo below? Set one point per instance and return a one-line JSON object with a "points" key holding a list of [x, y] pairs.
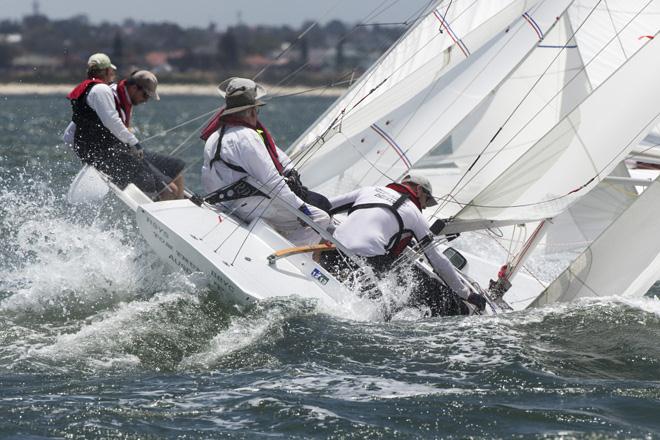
{"points": [[145, 94]]}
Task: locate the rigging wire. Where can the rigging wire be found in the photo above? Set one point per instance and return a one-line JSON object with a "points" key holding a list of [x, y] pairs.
{"points": [[609, 13], [176, 127], [397, 23], [301, 158], [302, 35], [298, 39], [311, 89], [342, 39]]}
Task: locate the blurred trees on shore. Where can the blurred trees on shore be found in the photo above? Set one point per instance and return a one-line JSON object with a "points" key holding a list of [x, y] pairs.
{"points": [[38, 49]]}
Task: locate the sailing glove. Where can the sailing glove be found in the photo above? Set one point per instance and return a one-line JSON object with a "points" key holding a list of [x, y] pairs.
{"points": [[477, 300], [305, 210], [137, 151]]}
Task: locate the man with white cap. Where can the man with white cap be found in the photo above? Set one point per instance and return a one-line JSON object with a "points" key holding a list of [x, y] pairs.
{"points": [[100, 66], [99, 69], [102, 136], [238, 145], [381, 223]]}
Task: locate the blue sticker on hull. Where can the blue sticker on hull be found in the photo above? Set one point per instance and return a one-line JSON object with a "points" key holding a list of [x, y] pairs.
{"points": [[316, 273]]}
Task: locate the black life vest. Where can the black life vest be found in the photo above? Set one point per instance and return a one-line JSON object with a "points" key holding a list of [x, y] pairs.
{"points": [[93, 142]]}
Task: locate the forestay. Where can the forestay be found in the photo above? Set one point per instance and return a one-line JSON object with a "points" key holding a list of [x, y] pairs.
{"points": [[615, 30]]}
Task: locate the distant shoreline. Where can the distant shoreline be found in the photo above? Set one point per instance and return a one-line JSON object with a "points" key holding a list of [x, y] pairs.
{"points": [[17, 89]]}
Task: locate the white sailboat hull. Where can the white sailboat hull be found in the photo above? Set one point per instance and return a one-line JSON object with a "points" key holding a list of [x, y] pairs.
{"points": [[233, 256]]}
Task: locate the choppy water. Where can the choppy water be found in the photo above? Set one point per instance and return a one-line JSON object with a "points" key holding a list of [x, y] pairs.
{"points": [[99, 340]]}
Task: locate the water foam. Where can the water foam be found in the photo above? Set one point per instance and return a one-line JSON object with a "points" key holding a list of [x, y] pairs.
{"points": [[62, 262]]}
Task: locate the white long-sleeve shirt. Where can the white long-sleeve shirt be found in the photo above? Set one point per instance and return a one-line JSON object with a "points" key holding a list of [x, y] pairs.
{"points": [[244, 147], [367, 232], [102, 100]]}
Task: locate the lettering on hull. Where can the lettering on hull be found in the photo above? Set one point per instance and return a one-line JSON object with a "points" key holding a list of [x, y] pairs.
{"points": [[217, 281]]}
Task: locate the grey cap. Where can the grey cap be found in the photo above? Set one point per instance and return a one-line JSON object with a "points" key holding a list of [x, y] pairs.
{"points": [[241, 94], [100, 61], [424, 183], [147, 81]]}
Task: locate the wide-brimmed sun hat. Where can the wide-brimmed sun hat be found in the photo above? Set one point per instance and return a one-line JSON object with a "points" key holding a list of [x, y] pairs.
{"points": [[240, 94]]}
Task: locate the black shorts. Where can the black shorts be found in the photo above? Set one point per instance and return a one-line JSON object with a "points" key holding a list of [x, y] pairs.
{"points": [[151, 174], [157, 171]]}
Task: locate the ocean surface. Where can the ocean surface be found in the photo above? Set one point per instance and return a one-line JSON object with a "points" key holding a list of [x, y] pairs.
{"points": [[98, 339]]}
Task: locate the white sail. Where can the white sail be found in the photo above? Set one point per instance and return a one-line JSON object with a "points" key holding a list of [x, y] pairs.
{"points": [[615, 30], [582, 149], [536, 95], [624, 260], [439, 35], [377, 148], [586, 219]]}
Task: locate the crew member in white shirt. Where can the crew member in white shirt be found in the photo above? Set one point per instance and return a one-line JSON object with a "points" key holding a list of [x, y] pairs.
{"points": [[237, 146], [102, 137], [383, 220], [101, 68]]}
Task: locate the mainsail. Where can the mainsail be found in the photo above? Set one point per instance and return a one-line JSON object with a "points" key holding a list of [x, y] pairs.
{"points": [[533, 98]]}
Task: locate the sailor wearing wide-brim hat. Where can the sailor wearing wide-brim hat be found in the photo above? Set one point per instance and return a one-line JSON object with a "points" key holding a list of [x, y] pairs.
{"points": [[241, 94], [238, 145]]}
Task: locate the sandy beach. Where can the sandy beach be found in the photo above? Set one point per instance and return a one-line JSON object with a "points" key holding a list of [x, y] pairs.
{"points": [[15, 88]]}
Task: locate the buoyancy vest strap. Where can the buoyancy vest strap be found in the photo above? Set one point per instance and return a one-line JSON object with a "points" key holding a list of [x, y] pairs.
{"points": [[393, 208], [217, 156], [341, 208]]}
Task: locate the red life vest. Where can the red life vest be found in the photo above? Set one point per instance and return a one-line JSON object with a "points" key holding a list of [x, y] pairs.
{"points": [[81, 88], [403, 242], [122, 100], [123, 103], [403, 188]]}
